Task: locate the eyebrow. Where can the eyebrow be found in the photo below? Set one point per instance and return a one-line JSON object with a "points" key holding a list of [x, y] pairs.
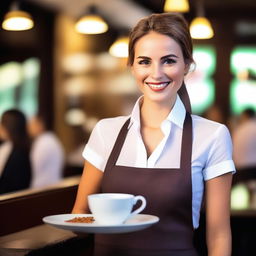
{"points": [[164, 57]]}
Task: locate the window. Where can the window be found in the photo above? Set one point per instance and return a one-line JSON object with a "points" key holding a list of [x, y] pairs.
{"points": [[19, 86], [243, 85], [200, 84]]}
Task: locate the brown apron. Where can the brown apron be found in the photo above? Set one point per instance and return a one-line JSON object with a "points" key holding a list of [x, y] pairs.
{"points": [[169, 196]]}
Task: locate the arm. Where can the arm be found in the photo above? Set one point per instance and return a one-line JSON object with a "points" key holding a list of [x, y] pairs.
{"points": [[218, 232], [89, 184]]}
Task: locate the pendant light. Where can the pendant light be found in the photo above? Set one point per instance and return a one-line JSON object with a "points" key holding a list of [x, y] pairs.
{"points": [[17, 20], [120, 47], [200, 27], [176, 6], [91, 23]]}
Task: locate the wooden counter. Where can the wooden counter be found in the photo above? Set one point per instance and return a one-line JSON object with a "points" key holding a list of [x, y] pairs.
{"points": [[22, 230], [25, 209]]}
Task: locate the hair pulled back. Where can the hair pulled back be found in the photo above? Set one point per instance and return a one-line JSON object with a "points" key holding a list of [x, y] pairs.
{"points": [[171, 24]]}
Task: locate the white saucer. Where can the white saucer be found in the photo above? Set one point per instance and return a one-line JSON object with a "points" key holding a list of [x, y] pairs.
{"points": [[135, 223]]}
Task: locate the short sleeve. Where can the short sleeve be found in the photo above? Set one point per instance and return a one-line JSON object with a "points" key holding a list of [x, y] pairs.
{"points": [[95, 149], [219, 160], [102, 140]]}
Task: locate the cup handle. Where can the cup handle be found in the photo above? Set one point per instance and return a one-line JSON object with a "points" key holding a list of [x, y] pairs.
{"points": [[141, 208]]}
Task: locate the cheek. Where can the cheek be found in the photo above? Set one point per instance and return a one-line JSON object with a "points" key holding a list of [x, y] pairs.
{"points": [[176, 73], [140, 74]]}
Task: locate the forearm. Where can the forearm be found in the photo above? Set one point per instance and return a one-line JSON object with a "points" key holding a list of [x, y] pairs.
{"points": [[89, 184], [219, 244], [80, 205], [218, 216]]}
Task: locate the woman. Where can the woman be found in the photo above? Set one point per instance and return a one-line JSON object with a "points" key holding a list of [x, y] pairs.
{"points": [[15, 169], [162, 152]]}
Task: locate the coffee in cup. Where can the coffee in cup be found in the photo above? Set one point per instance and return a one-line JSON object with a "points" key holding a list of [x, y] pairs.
{"points": [[114, 208]]}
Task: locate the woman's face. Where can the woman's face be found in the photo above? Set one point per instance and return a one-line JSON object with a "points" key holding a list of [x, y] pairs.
{"points": [[158, 67]]}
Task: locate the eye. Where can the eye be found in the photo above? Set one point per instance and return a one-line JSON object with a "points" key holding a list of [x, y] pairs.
{"points": [[169, 61], [144, 62]]}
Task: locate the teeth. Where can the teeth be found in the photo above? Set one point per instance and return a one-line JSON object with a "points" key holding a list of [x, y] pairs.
{"points": [[158, 86]]}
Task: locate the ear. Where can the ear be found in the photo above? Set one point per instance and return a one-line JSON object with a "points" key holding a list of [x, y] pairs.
{"points": [[186, 70]]}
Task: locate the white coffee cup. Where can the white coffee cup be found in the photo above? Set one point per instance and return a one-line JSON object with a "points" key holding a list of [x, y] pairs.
{"points": [[114, 208]]}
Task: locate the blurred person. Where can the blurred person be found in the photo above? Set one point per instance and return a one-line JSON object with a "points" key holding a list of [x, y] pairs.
{"points": [[47, 154], [15, 166], [214, 113], [244, 140]]}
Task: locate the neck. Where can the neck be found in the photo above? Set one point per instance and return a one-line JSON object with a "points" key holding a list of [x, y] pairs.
{"points": [[153, 114]]}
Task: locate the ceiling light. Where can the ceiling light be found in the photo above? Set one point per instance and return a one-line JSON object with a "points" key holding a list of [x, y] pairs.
{"points": [[17, 20], [91, 23], [176, 6], [200, 28], [120, 47]]}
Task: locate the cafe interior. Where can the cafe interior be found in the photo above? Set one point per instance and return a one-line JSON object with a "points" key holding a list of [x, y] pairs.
{"points": [[75, 77]]}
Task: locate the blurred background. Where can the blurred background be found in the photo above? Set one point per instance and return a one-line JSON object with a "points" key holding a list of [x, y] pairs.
{"points": [[74, 77], [74, 80]]}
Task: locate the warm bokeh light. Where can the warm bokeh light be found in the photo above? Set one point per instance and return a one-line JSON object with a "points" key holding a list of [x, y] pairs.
{"points": [[91, 24], [10, 75], [200, 28], [17, 21], [239, 197], [176, 6], [120, 48], [75, 116]]}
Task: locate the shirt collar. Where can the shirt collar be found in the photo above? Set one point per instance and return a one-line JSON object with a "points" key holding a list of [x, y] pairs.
{"points": [[135, 115], [176, 115]]}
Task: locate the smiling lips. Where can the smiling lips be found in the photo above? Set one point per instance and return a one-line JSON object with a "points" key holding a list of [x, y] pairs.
{"points": [[158, 86]]}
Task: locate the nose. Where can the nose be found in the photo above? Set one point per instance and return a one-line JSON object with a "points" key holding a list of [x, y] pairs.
{"points": [[156, 72]]}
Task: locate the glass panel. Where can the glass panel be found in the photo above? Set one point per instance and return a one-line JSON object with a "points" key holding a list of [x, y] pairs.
{"points": [[243, 85], [200, 85], [29, 92], [19, 86]]}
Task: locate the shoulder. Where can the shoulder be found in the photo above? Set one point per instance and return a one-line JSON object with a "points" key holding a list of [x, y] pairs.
{"points": [[206, 128], [47, 140], [106, 131], [200, 122], [110, 124]]}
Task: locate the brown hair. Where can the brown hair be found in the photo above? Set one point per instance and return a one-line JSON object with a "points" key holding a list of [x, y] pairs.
{"points": [[173, 25], [14, 121], [170, 24]]}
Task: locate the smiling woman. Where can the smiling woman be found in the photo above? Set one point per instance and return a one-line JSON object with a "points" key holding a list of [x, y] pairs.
{"points": [[160, 151], [159, 71]]}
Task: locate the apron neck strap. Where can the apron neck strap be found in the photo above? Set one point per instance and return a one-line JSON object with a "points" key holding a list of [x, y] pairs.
{"points": [[186, 144], [183, 93], [118, 145]]}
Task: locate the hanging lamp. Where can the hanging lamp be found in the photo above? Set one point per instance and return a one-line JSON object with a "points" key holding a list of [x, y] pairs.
{"points": [[120, 47], [176, 6], [91, 23], [200, 27], [17, 20]]}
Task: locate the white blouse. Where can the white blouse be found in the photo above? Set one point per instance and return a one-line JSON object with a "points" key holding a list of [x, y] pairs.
{"points": [[211, 149]]}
